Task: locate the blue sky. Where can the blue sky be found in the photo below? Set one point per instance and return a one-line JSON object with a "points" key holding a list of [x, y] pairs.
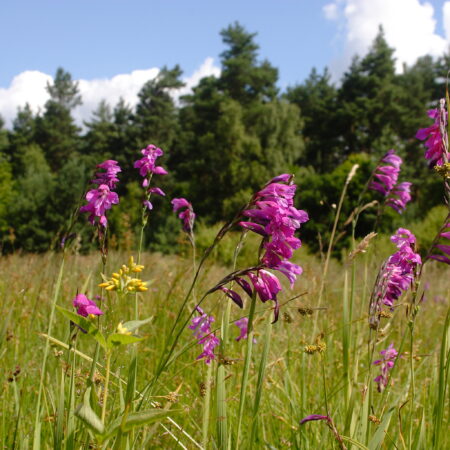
{"points": [[100, 39]]}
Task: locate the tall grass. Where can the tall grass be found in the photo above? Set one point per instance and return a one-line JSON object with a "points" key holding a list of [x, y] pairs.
{"points": [[283, 383]]}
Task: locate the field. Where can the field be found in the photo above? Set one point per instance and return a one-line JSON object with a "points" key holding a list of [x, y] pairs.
{"points": [[316, 359]]}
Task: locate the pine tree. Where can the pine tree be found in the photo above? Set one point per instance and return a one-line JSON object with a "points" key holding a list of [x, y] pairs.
{"points": [[316, 98], [243, 78], [56, 131], [369, 101], [156, 115]]}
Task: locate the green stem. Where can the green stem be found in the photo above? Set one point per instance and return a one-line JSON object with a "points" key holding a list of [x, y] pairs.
{"points": [[37, 419], [248, 356], [413, 383], [331, 243], [105, 392], [206, 407]]}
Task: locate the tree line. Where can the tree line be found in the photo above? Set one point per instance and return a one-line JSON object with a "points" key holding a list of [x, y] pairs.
{"points": [[221, 143]]}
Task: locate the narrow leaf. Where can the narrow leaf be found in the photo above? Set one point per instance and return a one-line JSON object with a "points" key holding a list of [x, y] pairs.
{"points": [[88, 416]]}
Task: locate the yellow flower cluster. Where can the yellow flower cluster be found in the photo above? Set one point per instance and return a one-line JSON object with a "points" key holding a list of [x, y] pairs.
{"points": [[122, 282], [123, 330], [443, 171]]}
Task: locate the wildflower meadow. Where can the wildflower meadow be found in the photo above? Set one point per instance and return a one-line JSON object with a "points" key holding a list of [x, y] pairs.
{"points": [[276, 347]]}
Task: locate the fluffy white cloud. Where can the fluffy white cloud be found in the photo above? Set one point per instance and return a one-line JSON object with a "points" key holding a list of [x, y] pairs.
{"points": [[446, 19], [30, 86], [409, 25]]}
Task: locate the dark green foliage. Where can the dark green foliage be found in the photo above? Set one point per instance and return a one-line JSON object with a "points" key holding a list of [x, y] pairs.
{"points": [[56, 132], [156, 115], [222, 142], [317, 100], [236, 133]]}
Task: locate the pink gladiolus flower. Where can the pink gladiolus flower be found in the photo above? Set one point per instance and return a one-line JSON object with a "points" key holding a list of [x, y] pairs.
{"points": [[386, 175], [233, 295], [187, 216], [242, 324], [157, 191], [443, 248], [396, 275], [433, 137], [109, 177], [147, 164], [99, 201], [86, 307], [399, 196], [274, 216], [201, 325], [386, 363], [315, 417]]}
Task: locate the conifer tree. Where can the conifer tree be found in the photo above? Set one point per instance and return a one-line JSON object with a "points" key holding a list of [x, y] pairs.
{"points": [[56, 131]]}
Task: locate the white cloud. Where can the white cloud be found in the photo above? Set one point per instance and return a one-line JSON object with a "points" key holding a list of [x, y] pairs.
{"points": [[205, 70], [331, 11], [409, 26], [446, 19], [30, 86]]}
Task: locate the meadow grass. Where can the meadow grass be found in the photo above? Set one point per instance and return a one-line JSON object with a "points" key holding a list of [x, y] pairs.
{"points": [[286, 378]]}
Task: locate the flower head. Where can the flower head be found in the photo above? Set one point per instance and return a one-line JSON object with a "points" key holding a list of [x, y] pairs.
{"points": [[147, 164], [385, 177], [242, 324], [109, 176], [99, 201], [86, 307], [272, 215], [434, 141], [201, 326], [386, 363], [187, 216], [399, 196], [443, 249], [122, 282], [396, 275]]}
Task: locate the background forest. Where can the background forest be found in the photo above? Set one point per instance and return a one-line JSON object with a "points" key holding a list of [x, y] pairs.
{"points": [[221, 143]]}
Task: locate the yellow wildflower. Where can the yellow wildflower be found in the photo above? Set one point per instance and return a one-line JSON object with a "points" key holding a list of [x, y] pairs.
{"points": [[122, 330]]}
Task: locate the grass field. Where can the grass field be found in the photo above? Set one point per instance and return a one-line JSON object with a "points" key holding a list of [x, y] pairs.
{"points": [[317, 359]]}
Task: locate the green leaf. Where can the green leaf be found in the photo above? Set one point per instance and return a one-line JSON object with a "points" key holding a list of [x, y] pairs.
{"points": [[147, 417], [131, 381], [85, 324], [122, 339], [137, 419], [133, 325], [354, 442], [87, 415], [379, 435]]}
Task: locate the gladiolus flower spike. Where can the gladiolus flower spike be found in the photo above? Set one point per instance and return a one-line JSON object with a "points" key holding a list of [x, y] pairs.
{"points": [[187, 215], [147, 167], [386, 363], [386, 176], [272, 215], [385, 182], [434, 140], [201, 326], [444, 249], [102, 198], [396, 275]]}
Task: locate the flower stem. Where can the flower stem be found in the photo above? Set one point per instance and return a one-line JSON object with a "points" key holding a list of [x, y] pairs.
{"points": [[105, 392], [37, 419], [248, 357]]}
